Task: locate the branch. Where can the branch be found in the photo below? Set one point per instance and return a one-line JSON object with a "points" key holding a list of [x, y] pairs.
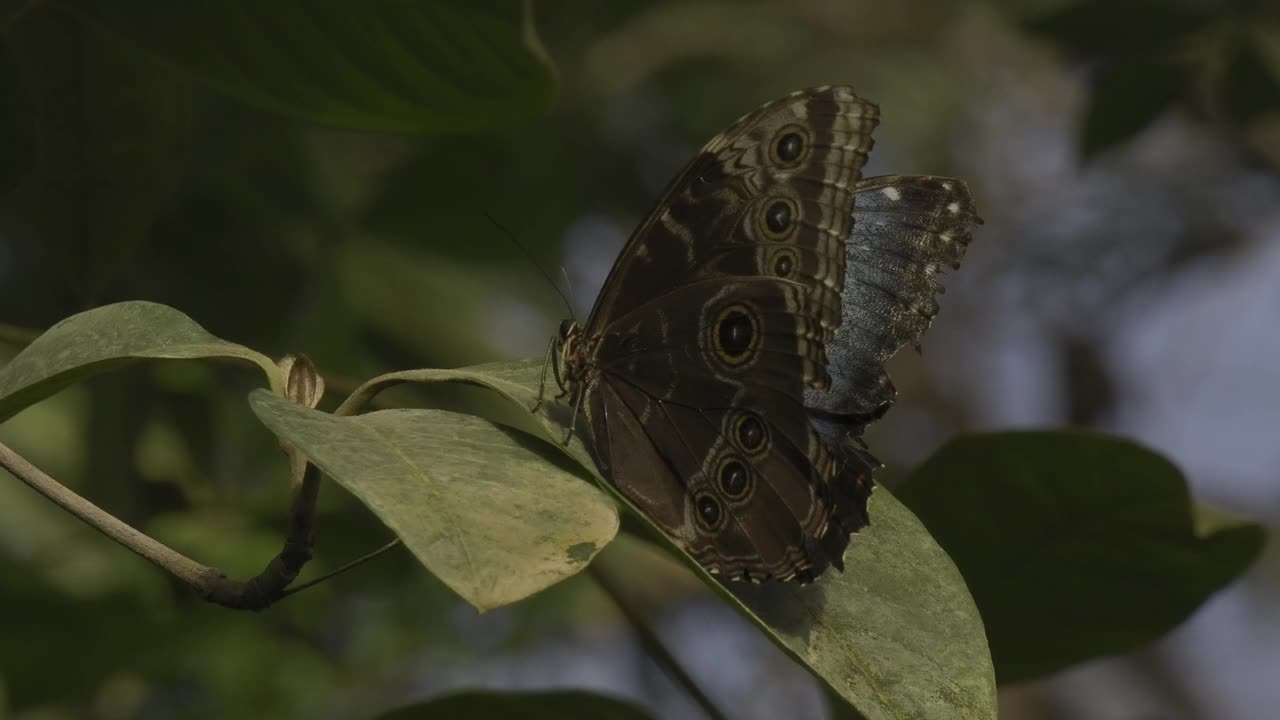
{"points": [[210, 583]]}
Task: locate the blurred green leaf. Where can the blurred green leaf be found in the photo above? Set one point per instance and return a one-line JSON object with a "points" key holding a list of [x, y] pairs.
{"points": [[38, 660], [1251, 80], [1075, 545], [484, 705], [419, 297], [104, 339], [896, 636], [1129, 27], [110, 141], [473, 501], [382, 65], [1127, 95], [17, 123]]}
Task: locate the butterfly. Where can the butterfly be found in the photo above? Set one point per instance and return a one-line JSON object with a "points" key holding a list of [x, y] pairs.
{"points": [[735, 353]]}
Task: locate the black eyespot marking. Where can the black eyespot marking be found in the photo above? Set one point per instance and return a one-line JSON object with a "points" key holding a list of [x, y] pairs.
{"points": [[736, 332], [750, 433], [778, 217], [733, 339], [783, 266], [708, 511], [734, 479], [789, 147]]}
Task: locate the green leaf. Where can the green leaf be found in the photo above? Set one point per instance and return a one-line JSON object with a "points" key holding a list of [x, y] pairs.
{"points": [[104, 339], [477, 504], [896, 635], [380, 65], [481, 705], [1075, 545], [1127, 96]]}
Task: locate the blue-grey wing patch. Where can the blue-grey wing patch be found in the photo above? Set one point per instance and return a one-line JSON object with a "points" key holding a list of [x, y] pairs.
{"points": [[906, 229]]}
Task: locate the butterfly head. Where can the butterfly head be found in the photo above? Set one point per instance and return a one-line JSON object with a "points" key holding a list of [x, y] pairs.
{"points": [[568, 355]]}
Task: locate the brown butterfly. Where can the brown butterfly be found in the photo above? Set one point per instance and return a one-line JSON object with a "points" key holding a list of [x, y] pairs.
{"points": [[736, 351]]}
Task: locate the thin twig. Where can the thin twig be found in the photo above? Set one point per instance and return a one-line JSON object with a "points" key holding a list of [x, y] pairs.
{"points": [[256, 593], [652, 643], [182, 567], [328, 576]]}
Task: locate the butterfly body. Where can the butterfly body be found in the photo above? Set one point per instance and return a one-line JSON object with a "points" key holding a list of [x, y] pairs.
{"points": [[694, 374]]}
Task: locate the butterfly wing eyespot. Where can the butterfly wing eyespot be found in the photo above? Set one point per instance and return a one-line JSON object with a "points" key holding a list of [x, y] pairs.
{"points": [[778, 217], [782, 263], [734, 335], [790, 146], [733, 477], [749, 433], [708, 512]]}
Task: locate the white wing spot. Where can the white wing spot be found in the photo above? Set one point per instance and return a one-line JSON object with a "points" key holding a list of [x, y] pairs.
{"points": [[892, 193], [953, 208]]}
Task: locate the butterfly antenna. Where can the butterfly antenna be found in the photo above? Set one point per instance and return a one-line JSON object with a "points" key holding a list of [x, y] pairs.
{"points": [[568, 286], [529, 256]]}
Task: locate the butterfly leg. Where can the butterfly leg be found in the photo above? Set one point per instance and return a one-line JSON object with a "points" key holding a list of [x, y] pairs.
{"points": [[573, 423], [542, 381]]}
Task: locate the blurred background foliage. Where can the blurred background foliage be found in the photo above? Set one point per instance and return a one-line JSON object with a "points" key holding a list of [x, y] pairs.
{"points": [[235, 161]]}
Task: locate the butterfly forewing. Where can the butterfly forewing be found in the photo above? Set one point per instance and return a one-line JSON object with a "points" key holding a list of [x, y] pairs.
{"points": [[739, 184]]}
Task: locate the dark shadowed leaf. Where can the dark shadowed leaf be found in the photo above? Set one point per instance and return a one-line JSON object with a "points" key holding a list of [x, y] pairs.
{"points": [[97, 187], [381, 65], [1251, 80], [1075, 545], [897, 635], [17, 123], [483, 705], [1127, 95], [477, 504], [1108, 28], [103, 339]]}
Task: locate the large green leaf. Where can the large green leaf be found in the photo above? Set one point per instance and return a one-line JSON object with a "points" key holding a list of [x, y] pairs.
{"points": [[1075, 545], [481, 705], [896, 635], [380, 65], [476, 503], [105, 338]]}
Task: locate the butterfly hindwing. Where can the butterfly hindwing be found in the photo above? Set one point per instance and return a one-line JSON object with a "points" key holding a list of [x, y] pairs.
{"points": [[908, 229]]}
